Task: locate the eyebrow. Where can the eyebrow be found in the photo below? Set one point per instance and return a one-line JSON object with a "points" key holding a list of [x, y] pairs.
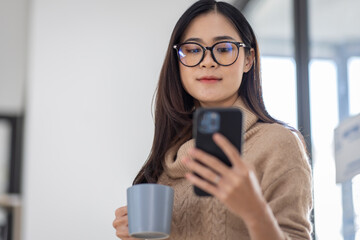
{"points": [[218, 38]]}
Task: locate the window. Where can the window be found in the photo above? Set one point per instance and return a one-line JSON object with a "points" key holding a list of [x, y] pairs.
{"points": [[354, 108], [324, 119], [354, 85], [279, 76]]}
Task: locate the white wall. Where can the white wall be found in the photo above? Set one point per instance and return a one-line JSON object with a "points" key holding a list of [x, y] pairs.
{"points": [[13, 32], [93, 68]]}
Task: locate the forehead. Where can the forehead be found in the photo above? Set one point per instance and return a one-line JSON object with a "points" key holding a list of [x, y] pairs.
{"points": [[210, 25]]}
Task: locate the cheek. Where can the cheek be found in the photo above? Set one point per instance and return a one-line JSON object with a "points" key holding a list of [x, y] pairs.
{"points": [[235, 73], [185, 76]]}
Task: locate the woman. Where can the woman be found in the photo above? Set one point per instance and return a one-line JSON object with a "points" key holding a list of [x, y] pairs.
{"points": [[213, 61]]}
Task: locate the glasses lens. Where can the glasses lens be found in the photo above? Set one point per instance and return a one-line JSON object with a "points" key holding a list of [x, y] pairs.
{"points": [[225, 53], [190, 54]]}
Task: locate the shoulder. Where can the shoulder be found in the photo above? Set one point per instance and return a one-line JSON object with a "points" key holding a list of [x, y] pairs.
{"points": [[278, 147], [274, 136], [277, 132]]}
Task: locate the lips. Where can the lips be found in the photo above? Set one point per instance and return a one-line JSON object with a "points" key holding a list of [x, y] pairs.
{"points": [[209, 79]]}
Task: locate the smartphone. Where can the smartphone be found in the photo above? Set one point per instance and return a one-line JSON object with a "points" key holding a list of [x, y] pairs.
{"points": [[207, 121]]}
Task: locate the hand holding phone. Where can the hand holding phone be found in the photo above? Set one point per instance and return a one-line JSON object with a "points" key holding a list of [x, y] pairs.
{"points": [[226, 121]]}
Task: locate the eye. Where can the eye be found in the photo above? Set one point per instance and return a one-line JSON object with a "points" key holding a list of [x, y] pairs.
{"points": [[224, 48], [190, 49], [195, 50]]}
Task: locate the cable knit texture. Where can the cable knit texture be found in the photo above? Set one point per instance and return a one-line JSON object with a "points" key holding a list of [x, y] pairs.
{"points": [[281, 166]]}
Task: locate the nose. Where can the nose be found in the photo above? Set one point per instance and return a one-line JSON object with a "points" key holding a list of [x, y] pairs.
{"points": [[208, 61]]}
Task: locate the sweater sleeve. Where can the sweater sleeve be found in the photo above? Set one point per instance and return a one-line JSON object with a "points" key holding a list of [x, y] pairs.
{"points": [[290, 200], [287, 184]]}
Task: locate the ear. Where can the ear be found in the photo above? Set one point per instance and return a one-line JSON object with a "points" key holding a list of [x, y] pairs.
{"points": [[249, 60]]}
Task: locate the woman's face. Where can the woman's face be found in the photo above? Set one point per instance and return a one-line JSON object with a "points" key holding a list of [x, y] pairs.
{"points": [[211, 84]]}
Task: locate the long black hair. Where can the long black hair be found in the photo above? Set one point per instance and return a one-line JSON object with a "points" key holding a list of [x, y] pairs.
{"points": [[174, 106]]}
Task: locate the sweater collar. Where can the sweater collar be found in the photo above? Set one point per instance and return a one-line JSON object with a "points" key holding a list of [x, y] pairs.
{"points": [[173, 166]]}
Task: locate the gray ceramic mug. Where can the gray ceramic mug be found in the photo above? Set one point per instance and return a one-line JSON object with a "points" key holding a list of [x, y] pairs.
{"points": [[150, 209]]}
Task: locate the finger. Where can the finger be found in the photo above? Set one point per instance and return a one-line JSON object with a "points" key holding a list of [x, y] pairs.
{"points": [[123, 233], [122, 211], [201, 170], [122, 230], [204, 185], [123, 221], [229, 149], [209, 161]]}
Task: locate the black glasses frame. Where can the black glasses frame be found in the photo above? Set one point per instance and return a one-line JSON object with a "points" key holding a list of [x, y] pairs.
{"points": [[237, 44]]}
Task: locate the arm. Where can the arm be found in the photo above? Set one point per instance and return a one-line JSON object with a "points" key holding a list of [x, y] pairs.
{"points": [[290, 200], [240, 191]]}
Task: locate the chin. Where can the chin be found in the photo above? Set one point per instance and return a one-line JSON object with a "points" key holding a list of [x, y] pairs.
{"points": [[210, 102], [217, 101]]}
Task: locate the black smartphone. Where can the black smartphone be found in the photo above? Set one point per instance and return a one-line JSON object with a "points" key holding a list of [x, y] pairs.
{"points": [[207, 121]]}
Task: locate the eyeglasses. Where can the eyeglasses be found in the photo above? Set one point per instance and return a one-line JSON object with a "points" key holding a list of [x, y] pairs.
{"points": [[224, 53]]}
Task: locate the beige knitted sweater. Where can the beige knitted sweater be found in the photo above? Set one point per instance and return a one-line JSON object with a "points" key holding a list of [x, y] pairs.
{"points": [[282, 168]]}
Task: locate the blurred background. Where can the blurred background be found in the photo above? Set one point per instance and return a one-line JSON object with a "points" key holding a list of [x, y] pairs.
{"points": [[76, 85]]}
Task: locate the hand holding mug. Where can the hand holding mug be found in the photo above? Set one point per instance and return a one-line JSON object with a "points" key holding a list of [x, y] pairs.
{"points": [[148, 213], [121, 224]]}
